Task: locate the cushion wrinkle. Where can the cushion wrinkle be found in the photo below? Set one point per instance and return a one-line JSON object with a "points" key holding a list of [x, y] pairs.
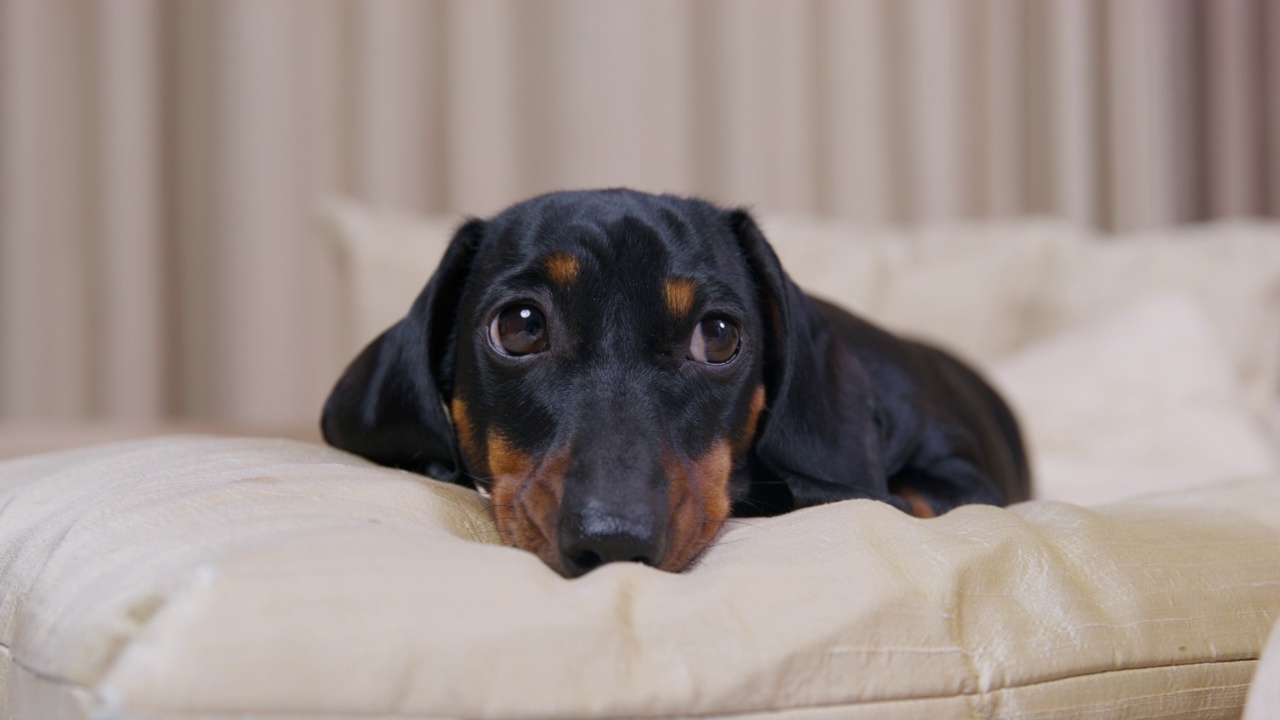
{"points": [[286, 597]]}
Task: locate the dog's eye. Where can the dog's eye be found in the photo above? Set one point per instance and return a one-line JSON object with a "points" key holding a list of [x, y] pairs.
{"points": [[715, 340], [519, 330]]}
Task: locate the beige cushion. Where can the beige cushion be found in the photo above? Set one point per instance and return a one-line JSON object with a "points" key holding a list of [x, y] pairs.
{"points": [[982, 289], [1231, 269], [273, 578], [1142, 400], [18, 438], [386, 258]]}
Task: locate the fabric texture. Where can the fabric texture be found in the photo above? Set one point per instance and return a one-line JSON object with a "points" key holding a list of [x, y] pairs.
{"points": [[195, 576]]}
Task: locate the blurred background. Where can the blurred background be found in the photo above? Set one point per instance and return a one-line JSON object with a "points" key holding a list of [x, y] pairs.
{"points": [[162, 163]]}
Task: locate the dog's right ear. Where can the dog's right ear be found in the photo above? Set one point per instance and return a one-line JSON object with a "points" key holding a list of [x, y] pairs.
{"points": [[389, 404], [819, 433]]}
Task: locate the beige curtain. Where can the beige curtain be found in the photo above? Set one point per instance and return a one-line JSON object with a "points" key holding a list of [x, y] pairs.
{"points": [[160, 162]]}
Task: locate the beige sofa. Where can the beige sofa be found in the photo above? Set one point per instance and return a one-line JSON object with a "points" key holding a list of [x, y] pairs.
{"points": [[203, 576]]}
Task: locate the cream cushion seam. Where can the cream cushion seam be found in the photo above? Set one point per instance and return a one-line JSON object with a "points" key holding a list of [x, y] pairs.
{"points": [[789, 710], [48, 677], [977, 693]]}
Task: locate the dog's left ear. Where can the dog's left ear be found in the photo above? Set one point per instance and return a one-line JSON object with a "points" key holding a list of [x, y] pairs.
{"points": [[820, 434], [389, 404]]}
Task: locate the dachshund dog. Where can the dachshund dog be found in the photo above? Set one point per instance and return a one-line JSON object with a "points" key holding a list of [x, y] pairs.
{"points": [[621, 372]]}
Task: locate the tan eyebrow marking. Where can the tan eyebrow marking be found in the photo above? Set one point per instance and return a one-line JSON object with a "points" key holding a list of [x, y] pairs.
{"points": [[563, 269], [678, 292]]}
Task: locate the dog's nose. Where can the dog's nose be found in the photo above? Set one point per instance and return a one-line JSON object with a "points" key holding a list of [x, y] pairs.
{"points": [[589, 552], [594, 537]]}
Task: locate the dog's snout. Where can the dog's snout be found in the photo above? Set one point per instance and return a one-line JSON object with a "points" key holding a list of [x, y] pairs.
{"points": [[597, 535]]}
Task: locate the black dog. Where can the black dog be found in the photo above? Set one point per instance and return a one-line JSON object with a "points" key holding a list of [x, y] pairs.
{"points": [[622, 370]]}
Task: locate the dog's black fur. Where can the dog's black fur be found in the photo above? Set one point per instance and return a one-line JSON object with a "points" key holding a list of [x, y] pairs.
{"points": [[613, 443]]}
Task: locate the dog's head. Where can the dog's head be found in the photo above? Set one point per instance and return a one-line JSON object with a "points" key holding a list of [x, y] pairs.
{"points": [[616, 369]]}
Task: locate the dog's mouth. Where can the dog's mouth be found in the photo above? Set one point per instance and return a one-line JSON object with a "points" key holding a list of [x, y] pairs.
{"points": [[526, 507]]}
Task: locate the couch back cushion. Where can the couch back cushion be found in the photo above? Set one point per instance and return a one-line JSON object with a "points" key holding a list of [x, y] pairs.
{"points": [[984, 289]]}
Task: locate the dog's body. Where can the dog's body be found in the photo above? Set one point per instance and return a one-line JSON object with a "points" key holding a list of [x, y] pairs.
{"points": [[623, 370]]}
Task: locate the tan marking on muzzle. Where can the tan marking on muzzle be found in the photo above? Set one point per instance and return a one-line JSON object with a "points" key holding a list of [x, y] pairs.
{"points": [[526, 495], [466, 435], [698, 499]]}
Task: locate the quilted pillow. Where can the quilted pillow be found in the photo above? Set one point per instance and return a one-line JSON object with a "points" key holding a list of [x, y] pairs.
{"points": [[197, 576]]}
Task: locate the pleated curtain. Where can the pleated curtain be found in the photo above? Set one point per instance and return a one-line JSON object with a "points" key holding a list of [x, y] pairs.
{"points": [[161, 163]]}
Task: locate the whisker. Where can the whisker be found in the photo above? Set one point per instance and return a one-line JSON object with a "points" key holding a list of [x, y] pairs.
{"points": [[743, 522]]}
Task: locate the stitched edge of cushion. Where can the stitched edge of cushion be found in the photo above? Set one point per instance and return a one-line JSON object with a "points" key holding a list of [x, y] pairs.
{"points": [[990, 704]]}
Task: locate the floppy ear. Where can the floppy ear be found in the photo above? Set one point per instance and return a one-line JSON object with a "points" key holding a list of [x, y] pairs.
{"points": [[820, 435], [389, 404]]}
